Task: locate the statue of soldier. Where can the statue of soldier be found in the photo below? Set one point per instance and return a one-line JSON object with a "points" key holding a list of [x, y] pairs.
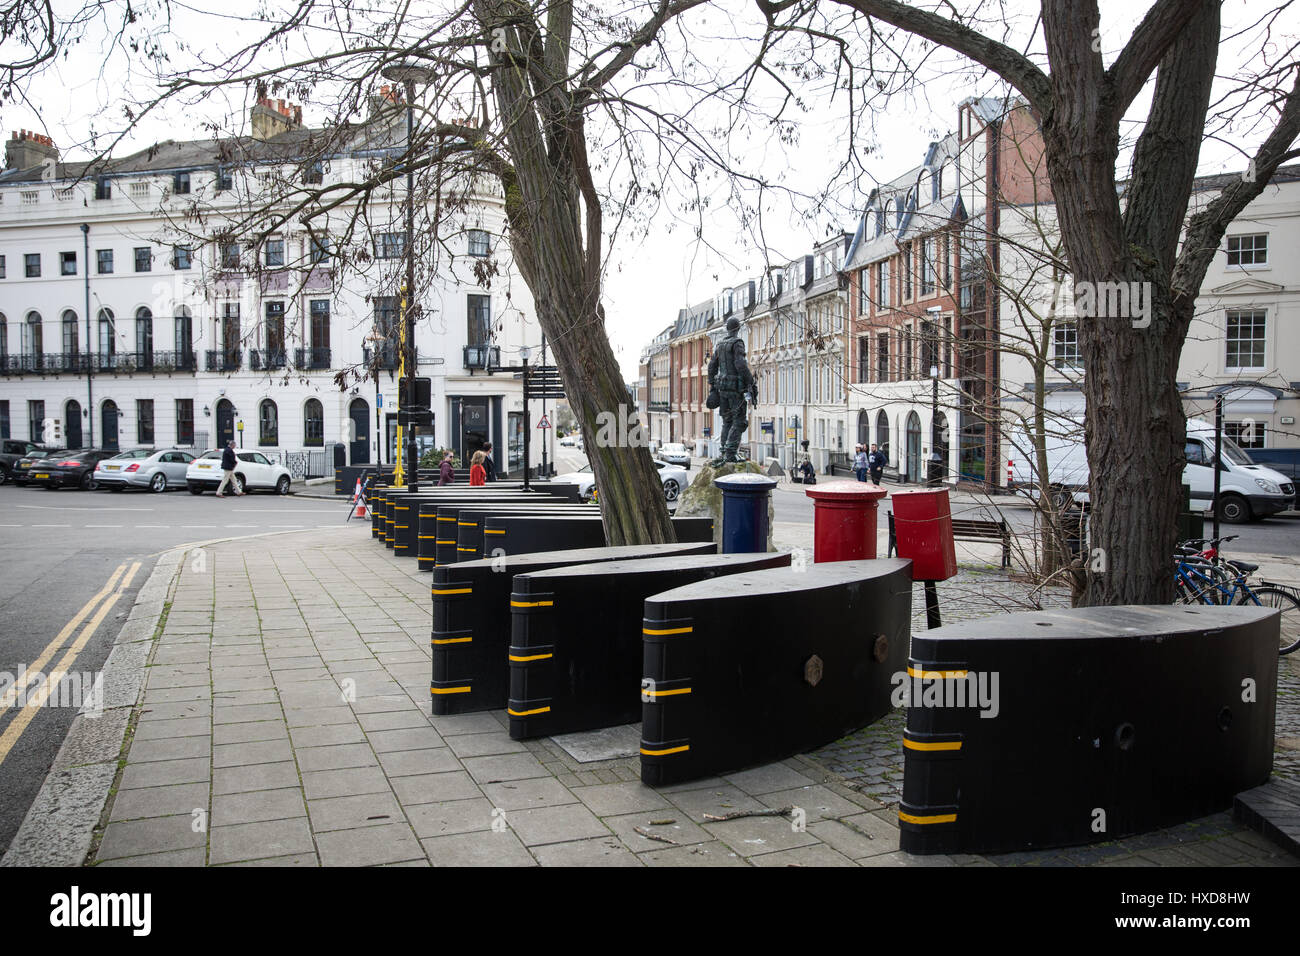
{"points": [[729, 375]]}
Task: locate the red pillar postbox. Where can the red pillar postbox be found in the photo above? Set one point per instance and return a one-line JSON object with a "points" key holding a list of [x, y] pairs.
{"points": [[923, 527], [844, 520]]}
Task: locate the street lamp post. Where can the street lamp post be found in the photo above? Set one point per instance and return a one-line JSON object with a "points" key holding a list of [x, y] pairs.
{"points": [[90, 363], [409, 75]]}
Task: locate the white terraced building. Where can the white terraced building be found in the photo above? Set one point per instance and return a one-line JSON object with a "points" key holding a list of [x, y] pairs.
{"points": [[124, 324]]}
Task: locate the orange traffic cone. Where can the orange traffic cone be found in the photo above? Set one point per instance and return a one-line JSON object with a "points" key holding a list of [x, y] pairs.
{"points": [[361, 506], [357, 493]]}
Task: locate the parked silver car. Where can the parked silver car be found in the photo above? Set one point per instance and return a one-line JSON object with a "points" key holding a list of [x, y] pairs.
{"points": [[157, 471]]}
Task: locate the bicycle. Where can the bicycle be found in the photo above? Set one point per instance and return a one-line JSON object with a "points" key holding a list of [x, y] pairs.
{"points": [[1203, 576]]}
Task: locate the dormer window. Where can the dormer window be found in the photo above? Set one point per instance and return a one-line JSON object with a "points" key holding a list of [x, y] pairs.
{"points": [[181, 184], [103, 188]]}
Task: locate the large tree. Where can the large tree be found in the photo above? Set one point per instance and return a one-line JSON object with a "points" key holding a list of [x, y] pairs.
{"points": [[1135, 424]]}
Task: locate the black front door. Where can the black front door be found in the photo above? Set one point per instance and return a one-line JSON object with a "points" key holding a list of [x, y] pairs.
{"points": [[225, 422], [72, 428], [473, 426], [109, 421], [359, 412]]}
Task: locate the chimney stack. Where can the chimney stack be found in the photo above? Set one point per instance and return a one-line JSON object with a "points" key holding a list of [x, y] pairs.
{"points": [[26, 149], [273, 117]]}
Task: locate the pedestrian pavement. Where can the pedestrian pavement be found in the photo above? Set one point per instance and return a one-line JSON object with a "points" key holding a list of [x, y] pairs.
{"points": [[274, 710]]}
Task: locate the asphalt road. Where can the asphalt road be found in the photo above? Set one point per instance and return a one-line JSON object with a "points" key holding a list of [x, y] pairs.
{"points": [[64, 549]]}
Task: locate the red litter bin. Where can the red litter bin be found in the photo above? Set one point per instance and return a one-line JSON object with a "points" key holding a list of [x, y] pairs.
{"points": [[923, 530], [844, 520]]}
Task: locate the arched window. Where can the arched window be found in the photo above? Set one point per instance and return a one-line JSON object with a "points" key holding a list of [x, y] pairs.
{"points": [[864, 431], [268, 423], [313, 424], [72, 423], [882, 433], [184, 338], [71, 338], [143, 338], [33, 341], [107, 338]]}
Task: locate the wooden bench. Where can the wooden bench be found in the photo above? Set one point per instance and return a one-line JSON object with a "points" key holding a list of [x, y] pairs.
{"points": [[968, 529]]}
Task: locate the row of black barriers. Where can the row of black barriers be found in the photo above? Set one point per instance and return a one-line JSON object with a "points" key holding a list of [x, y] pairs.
{"points": [[1022, 730]]}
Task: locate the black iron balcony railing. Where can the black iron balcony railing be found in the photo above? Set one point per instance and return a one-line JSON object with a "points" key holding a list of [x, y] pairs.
{"points": [[483, 357], [311, 358], [388, 355], [266, 359], [224, 360], [116, 363]]}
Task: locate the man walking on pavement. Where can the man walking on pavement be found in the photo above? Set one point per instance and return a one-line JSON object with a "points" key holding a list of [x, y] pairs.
{"points": [[860, 466], [489, 465], [228, 470], [876, 462]]}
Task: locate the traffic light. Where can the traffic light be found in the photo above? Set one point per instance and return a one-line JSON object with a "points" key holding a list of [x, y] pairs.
{"points": [[423, 393]]}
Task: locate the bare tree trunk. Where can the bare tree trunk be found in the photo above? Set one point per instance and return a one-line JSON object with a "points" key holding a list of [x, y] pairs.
{"points": [[555, 235]]}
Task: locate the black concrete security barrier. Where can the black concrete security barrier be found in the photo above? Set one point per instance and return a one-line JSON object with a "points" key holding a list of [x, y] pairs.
{"points": [[554, 531], [568, 675], [472, 619], [406, 538], [1058, 728], [427, 538], [751, 668], [400, 516], [468, 544]]}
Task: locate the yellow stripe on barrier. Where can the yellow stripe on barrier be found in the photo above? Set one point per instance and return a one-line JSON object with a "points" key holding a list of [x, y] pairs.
{"points": [[933, 818], [666, 693], [931, 675], [531, 657], [428, 537], [494, 530], [662, 753], [446, 519], [449, 690], [939, 745], [532, 603], [466, 524], [450, 640], [527, 713], [445, 542], [670, 630], [453, 590], [467, 549]]}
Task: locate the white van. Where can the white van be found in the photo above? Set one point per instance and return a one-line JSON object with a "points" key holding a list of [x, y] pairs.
{"points": [[1246, 490]]}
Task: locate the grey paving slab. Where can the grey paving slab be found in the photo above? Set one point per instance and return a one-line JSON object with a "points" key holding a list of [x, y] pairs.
{"points": [[336, 757], [505, 767], [814, 855], [767, 779], [250, 731], [344, 783], [175, 858], [257, 806], [327, 735], [162, 773], [154, 835], [645, 831], [410, 738], [369, 846], [560, 824], [751, 836], [240, 713], [529, 793], [606, 851], [262, 776], [252, 841], [404, 763], [704, 854], [616, 798], [488, 848], [183, 798], [479, 745], [153, 727], [458, 816], [347, 813], [717, 800], [251, 752], [435, 787]]}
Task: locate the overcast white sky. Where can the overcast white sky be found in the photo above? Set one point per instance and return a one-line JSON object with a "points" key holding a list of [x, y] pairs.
{"points": [[656, 266]]}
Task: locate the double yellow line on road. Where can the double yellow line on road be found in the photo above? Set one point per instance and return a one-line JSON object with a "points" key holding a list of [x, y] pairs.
{"points": [[96, 609]]}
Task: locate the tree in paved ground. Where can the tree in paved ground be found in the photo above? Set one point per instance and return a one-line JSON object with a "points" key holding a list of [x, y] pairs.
{"points": [[1138, 239]]}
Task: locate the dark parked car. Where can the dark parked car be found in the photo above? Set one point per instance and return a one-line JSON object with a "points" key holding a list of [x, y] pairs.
{"points": [[22, 473], [11, 452], [73, 470]]}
